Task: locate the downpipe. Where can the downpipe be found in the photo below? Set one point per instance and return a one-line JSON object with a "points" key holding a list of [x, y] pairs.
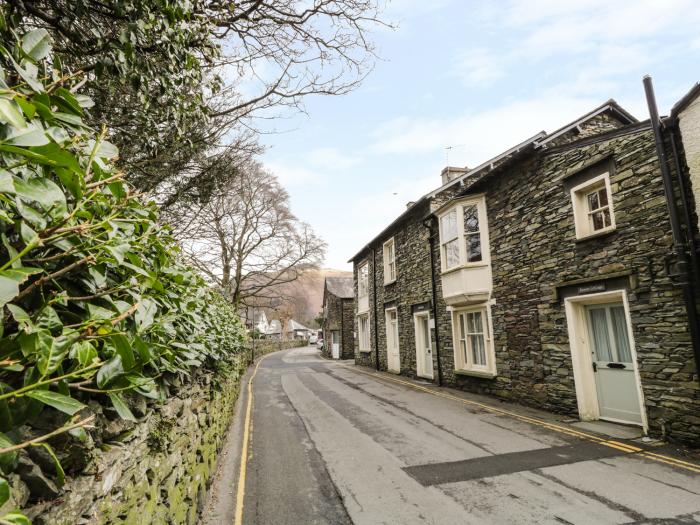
{"points": [[679, 247], [427, 223]]}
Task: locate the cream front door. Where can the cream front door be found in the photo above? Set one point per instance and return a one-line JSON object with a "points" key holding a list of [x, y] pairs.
{"points": [[392, 341], [616, 385], [424, 350]]}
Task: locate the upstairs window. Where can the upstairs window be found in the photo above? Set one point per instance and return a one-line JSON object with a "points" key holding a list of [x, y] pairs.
{"points": [[449, 239], [472, 236], [463, 234], [363, 280], [389, 261], [593, 207]]}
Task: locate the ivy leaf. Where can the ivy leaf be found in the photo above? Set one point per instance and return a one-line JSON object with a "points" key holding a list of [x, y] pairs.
{"points": [[111, 369], [7, 184], [16, 518], [60, 474], [122, 409], [121, 344], [8, 460], [10, 113], [37, 44], [51, 355], [58, 401], [4, 491]]}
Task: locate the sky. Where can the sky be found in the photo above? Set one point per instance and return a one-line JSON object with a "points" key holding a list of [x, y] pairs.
{"points": [[478, 77]]}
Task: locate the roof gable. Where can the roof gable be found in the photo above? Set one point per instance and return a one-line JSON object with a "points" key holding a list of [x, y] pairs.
{"points": [[343, 287]]}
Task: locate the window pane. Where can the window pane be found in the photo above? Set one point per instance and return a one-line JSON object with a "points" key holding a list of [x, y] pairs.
{"points": [[473, 242], [606, 217], [471, 218], [474, 324], [461, 327], [621, 337], [598, 221], [478, 349], [449, 226], [599, 334], [603, 196], [593, 201], [451, 254]]}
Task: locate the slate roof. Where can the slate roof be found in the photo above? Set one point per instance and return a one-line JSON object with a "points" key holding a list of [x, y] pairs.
{"points": [[342, 287]]}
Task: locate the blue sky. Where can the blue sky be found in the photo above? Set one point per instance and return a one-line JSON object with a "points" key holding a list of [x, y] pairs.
{"points": [[477, 76]]}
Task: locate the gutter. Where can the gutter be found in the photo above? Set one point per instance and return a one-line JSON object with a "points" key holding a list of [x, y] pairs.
{"points": [[428, 223], [679, 247]]}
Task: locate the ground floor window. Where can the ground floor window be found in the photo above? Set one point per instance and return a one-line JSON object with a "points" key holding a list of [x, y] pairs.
{"points": [[363, 331], [473, 346]]}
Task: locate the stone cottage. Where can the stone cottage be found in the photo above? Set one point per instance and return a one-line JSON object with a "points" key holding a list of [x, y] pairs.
{"points": [[338, 317], [544, 276]]}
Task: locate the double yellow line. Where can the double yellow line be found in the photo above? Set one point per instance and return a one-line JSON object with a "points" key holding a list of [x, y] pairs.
{"points": [[625, 447], [247, 433]]}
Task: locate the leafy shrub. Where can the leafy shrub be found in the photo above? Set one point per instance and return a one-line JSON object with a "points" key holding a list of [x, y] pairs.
{"points": [[93, 300]]}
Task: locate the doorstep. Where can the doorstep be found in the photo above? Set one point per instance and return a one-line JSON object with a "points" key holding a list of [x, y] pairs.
{"points": [[614, 430]]}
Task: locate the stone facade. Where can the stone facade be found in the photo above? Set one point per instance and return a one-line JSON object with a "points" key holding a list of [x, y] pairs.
{"points": [[338, 317], [689, 126], [155, 471], [537, 262]]}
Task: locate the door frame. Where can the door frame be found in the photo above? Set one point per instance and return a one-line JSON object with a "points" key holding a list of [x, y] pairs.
{"points": [[420, 372], [582, 358], [387, 326]]}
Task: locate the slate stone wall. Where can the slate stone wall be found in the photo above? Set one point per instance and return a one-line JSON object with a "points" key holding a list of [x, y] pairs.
{"points": [[535, 255], [340, 316], [155, 471], [534, 250]]}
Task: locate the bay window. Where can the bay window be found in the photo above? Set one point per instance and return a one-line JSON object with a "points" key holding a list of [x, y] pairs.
{"points": [[463, 234], [474, 353]]}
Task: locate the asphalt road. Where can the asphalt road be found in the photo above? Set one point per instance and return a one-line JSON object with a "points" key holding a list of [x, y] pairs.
{"points": [[332, 443]]}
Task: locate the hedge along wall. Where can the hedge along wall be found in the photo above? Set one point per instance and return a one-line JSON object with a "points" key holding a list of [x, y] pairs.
{"points": [[156, 471]]}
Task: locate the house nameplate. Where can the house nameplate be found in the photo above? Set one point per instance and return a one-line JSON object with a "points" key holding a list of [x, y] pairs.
{"points": [[591, 288]]}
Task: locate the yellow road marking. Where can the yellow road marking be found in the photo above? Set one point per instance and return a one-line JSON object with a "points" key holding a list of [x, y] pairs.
{"points": [[545, 424], [247, 432]]}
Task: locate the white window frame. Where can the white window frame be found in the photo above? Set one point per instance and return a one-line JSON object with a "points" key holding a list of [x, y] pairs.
{"points": [[463, 360], [389, 258], [363, 284], [363, 335], [458, 208], [582, 221]]}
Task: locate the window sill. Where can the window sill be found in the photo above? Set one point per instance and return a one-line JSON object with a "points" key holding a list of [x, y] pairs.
{"points": [[365, 351], [387, 283], [475, 373], [466, 266], [596, 235]]}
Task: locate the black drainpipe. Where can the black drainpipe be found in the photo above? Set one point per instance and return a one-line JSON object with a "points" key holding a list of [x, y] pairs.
{"points": [[678, 242], [428, 224], [685, 201], [374, 296]]}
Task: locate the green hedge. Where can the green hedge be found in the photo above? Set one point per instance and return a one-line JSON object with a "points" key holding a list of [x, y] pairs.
{"points": [[93, 299]]}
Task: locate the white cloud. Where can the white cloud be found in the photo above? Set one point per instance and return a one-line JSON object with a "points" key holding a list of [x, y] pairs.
{"points": [[290, 175], [332, 159], [484, 133], [477, 66]]}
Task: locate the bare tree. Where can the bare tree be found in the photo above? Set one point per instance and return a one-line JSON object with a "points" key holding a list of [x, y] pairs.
{"points": [[246, 239]]}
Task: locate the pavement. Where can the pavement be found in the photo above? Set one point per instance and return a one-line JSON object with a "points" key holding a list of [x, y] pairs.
{"points": [[332, 443]]}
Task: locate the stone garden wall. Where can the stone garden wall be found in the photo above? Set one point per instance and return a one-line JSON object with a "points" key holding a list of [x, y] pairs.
{"points": [[154, 471]]}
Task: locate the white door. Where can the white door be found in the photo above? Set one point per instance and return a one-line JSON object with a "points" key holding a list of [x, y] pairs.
{"points": [[335, 345], [392, 341], [424, 350], [615, 379]]}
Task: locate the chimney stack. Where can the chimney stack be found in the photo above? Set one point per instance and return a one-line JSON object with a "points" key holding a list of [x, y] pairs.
{"points": [[449, 173]]}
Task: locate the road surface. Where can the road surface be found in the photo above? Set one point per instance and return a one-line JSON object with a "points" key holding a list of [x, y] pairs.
{"points": [[332, 443]]}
